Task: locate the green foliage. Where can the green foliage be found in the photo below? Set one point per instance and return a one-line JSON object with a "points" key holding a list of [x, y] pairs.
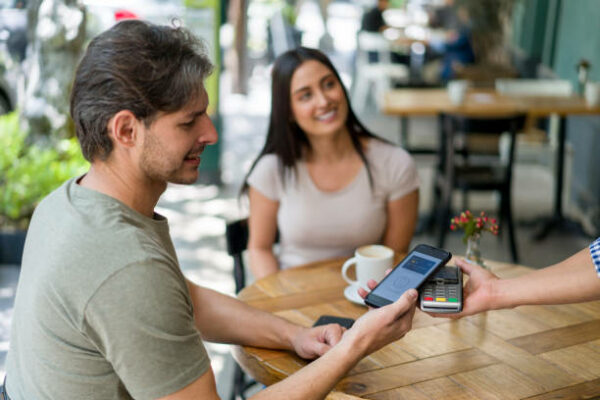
{"points": [[29, 172], [200, 3]]}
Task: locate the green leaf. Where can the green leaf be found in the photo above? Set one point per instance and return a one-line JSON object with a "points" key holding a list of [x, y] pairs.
{"points": [[29, 172]]}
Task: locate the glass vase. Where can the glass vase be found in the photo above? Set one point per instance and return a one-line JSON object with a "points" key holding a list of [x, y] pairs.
{"points": [[474, 250]]}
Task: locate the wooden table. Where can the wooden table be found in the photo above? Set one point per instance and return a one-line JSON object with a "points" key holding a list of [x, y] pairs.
{"points": [[480, 102], [538, 352], [489, 103]]}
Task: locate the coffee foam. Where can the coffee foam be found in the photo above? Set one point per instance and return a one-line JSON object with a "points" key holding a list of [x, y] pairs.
{"points": [[374, 251]]}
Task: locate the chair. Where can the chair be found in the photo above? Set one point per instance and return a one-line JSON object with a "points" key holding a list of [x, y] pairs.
{"points": [[236, 235], [471, 160], [540, 144], [381, 74]]}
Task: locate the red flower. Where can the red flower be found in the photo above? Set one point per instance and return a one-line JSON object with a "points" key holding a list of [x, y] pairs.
{"points": [[473, 225]]}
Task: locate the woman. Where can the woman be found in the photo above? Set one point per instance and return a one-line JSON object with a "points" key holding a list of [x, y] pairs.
{"points": [[323, 180]]}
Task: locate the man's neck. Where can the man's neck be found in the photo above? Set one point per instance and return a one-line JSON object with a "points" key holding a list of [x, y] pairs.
{"points": [[139, 194]]}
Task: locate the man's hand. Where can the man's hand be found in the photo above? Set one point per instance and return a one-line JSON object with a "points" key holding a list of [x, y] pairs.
{"points": [[311, 343], [384, 325], [477, 293]]}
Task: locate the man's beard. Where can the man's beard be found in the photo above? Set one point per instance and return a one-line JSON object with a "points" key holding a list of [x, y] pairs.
{"points": [[153, 162]]}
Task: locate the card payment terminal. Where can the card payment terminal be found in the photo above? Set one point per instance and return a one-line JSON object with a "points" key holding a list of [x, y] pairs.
{"points": [[442, 292]]}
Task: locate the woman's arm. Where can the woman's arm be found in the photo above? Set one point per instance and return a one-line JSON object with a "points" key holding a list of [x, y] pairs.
{"points": [[402, 216], [573, 280], [262, 224]]}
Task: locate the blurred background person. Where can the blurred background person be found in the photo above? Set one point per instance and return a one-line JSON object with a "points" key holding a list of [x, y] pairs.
{"points": [[452, 51], [372, 19]]}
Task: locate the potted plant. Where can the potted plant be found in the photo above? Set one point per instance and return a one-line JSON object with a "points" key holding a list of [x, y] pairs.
{"points": [[29, 172]]}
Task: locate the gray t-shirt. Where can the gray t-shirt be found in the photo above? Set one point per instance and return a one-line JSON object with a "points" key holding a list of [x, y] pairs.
{"points": [[102, 310], [315, 225]]}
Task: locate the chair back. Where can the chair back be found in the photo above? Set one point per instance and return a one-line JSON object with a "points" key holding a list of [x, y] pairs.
{"points": [[381, 74], [469, 137], [480, 169], [372, 42], [534, 87], [236, 235]]}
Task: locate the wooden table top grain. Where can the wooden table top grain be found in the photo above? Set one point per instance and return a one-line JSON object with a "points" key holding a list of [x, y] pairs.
{"points": [[533, 352], [481, 102]]}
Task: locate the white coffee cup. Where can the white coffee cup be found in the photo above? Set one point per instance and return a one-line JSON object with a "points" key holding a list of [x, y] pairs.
{"points": [[592, 94], [371, 263], [457, 91]]}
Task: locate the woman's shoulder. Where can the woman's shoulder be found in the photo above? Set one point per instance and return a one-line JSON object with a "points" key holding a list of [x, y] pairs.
{"points": [[266, 167], [267, 160], [393, 167], [265, 176], [267, 164], [379, 150], [266, 172]]}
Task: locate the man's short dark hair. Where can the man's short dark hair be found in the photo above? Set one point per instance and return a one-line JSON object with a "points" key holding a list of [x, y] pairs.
{"points": [[135, 66]]}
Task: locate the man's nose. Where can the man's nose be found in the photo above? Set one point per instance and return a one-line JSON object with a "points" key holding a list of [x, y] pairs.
{"points": [[208, 133]]}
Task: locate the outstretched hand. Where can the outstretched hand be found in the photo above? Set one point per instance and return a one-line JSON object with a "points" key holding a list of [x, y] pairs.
{"points": [[478, 292], [389, 323], [311, 343]]}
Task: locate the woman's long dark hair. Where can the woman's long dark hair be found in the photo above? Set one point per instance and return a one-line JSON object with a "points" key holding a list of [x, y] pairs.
{"points": [[284, 137]]}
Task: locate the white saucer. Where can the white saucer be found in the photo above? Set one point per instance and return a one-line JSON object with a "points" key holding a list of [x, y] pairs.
{"points": [[351, 293]]}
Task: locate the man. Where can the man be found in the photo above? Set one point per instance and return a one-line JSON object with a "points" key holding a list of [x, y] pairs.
{"points": [[102, 309], [372, 20]]}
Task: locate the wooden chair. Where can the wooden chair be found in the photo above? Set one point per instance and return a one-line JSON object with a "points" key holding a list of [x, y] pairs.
{"points": [[470, 160]]}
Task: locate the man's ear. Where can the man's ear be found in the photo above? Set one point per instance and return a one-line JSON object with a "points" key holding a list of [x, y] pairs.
{"points": [[124, 128]]}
